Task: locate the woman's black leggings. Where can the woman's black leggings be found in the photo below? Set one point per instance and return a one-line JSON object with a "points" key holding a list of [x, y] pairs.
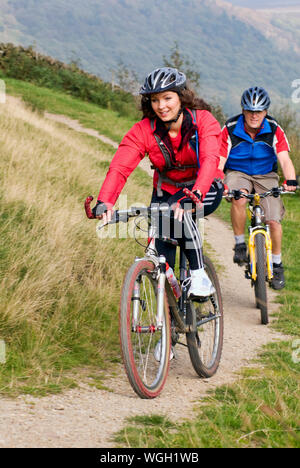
{"points": [[186, 232]]}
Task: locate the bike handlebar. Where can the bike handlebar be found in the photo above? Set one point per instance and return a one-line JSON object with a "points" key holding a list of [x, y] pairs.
{"points": [[124, 215], [274, 192]]}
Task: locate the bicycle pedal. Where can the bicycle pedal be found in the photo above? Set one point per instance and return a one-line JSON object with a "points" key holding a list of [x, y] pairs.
{"points": [[200, 299], [248, 275]]}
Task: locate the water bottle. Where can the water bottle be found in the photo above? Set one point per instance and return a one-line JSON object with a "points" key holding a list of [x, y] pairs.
{"points": [[173, 281]]}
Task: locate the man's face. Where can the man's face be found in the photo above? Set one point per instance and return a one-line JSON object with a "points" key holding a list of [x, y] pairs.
{"points": [[254, 119]]}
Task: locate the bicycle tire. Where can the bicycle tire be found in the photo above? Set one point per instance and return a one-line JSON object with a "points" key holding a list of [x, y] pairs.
{"points": [[206, 342], [260, 286], [146, 375]]}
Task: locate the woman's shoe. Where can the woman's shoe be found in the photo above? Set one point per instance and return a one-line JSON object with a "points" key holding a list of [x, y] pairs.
{"points": [[157, 352], [201, 286]]}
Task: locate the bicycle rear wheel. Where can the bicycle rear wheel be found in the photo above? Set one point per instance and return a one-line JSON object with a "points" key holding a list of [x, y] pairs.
{"points": [[260, 286], [206, 317], [145, 348]]}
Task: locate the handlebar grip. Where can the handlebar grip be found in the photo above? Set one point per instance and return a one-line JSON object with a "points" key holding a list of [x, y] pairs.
{"points": [[87, 207], [192, 196]]}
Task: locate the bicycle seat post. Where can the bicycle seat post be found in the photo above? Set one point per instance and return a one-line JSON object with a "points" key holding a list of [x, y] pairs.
{"points": [[182, 266], [183, 277]]}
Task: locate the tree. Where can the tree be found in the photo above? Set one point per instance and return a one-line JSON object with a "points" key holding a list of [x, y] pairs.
{"points": [[177, 60], [127, 79]]}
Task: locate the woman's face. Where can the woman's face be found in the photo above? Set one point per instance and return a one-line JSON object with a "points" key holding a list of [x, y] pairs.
{"points": [[166, 105]]}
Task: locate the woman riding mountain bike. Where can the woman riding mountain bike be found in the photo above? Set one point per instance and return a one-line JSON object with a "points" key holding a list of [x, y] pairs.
{"points": [[182, 139]]}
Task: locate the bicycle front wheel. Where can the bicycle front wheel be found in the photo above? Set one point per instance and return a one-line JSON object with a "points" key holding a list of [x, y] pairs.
{"points": [[205, 316], [145, 347], [260, 286]]}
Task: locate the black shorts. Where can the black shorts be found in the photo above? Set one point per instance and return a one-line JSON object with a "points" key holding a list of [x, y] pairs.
{"points": [[211, 201]]}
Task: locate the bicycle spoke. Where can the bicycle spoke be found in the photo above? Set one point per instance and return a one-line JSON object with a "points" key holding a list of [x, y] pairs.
{"points": [[145, 373]]}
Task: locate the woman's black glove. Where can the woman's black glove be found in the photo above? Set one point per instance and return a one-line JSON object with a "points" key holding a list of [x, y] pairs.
{"points": [[99, 209], [185, 200]]}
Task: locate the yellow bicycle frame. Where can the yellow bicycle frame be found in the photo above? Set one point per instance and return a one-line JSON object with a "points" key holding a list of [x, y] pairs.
{"points": [[251, 246]]}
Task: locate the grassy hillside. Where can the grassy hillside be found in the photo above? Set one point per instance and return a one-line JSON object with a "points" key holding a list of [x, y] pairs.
{"points": [[59, 283], [106, 121], [27, 65], [222, 46]]}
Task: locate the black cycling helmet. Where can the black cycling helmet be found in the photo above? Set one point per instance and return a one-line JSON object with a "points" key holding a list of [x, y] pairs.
{"points": [[255, 99], [163, 79]]}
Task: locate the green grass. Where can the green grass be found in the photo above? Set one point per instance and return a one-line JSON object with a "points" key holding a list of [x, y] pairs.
{"points": [[262, 410], [288, 316]]}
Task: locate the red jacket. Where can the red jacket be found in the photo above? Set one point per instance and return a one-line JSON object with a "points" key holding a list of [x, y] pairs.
{"points": [[140, 141]]}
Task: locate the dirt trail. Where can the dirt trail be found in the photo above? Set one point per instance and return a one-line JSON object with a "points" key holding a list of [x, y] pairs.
{"points": [[88, 417]]}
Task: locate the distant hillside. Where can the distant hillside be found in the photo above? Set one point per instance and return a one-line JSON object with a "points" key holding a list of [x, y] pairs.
{"points": [[258, 4], [280, 25], [230, 50]]}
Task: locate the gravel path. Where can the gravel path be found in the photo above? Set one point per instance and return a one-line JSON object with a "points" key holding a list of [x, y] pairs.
{"points": [[88, 417]]}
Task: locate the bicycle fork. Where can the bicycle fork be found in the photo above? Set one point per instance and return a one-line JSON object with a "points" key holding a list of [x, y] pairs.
{"points": [[160, 304], [268, 243]]}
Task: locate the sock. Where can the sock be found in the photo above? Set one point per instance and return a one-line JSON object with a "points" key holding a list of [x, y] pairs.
{"points": [[276, 259], [240, 239]]}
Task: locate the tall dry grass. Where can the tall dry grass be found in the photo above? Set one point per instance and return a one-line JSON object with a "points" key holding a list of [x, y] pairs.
{"points": [[289, 121], [59, 283]]}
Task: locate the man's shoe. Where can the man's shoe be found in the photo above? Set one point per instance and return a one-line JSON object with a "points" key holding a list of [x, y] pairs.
{"points": [[278, 281], [240, 254]]}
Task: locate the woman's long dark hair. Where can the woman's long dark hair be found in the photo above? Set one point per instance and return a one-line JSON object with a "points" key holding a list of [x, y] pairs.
{"points": [[187, 97]]}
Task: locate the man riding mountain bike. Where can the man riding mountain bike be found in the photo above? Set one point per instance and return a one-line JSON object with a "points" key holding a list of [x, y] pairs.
{"points": [[252, 144]]}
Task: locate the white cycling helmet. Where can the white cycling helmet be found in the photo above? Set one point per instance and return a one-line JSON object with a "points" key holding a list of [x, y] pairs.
{"points": [[255, 99], [163, 79]]}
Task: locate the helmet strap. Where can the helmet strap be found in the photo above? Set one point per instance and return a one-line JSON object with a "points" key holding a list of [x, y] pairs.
{"points": [[169, 122]]}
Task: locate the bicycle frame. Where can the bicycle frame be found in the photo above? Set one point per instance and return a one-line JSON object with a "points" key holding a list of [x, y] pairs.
{"points": [[163, 284], [178, 309]]}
